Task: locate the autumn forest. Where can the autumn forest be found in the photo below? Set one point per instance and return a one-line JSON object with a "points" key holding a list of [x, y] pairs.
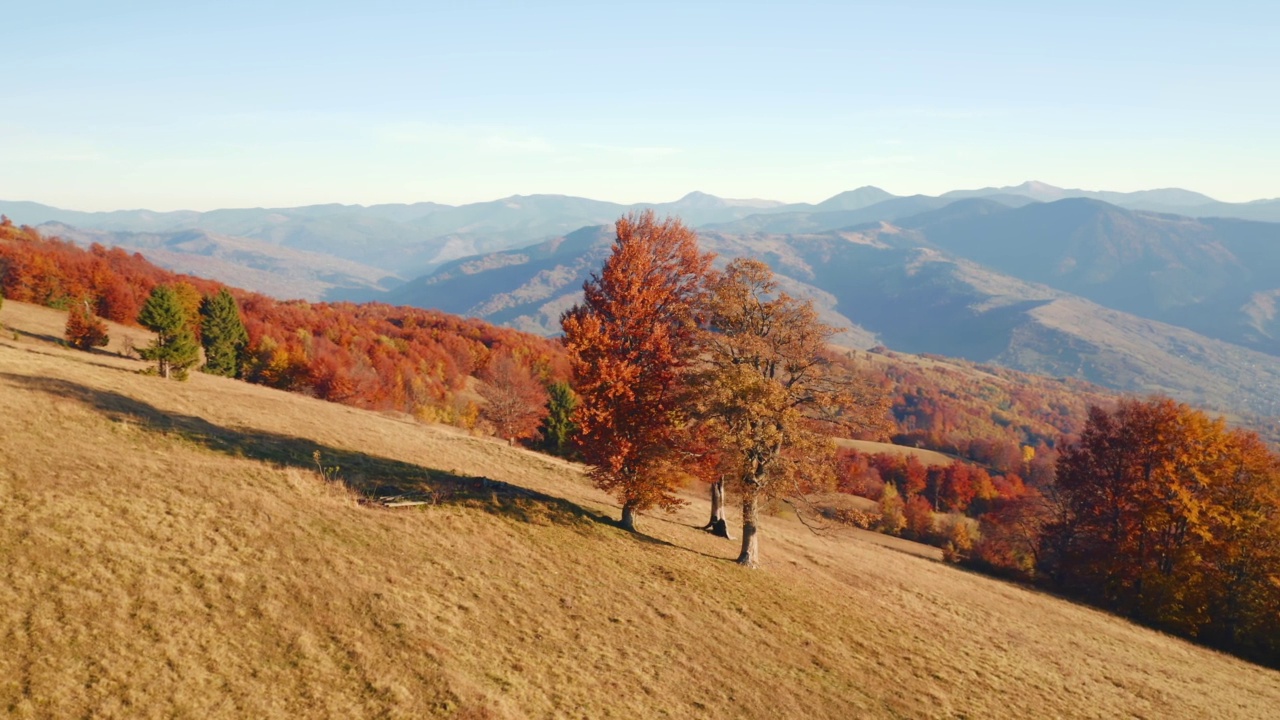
{"points": [[675, 368]]}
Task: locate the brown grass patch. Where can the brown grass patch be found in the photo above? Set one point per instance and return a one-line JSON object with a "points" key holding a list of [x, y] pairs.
{"points": [[169, 551], [928, 458]]}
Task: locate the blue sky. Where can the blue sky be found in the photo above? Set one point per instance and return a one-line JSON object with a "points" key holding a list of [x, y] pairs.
{"points": [[160, 105]]}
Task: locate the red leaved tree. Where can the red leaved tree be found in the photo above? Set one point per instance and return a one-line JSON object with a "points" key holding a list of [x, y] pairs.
{"points": [[631, 343], [84, 331], [515, 402]]}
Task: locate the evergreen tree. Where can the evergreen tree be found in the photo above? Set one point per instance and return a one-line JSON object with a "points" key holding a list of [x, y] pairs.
{"points": [[84, 331], [223, 334], [558, 427], [175, 348]]}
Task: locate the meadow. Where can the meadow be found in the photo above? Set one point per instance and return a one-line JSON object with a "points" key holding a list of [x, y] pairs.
{"points": [[206, 549]]}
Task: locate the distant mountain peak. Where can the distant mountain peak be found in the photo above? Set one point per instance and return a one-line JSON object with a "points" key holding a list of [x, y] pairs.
{"points": [[1037, 186], [699, 199], [865, 196]]}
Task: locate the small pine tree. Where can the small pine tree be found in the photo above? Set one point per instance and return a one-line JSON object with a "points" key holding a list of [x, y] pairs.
{"points": [[84, 331], [222, 334], [175, 349], [558, 427]]}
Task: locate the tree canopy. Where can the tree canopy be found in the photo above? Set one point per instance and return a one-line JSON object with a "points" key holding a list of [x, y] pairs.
{"points": [[767, 388], [1166, 515], [631, 344]]}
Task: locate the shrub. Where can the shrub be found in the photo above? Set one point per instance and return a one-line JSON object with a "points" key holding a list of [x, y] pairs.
{"points": [[892, 518], [919, 518], [84, 331]]}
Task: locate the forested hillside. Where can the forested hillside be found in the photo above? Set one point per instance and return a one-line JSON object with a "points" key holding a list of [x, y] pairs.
{"points": [[371, 355]]}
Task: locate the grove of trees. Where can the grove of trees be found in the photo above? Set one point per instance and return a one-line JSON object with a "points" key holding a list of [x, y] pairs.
{"points": [[371, 355], [1166, 515], [683, 370]]}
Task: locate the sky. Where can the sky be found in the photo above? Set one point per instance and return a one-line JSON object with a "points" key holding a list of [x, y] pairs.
{"points": [[173, 105]]}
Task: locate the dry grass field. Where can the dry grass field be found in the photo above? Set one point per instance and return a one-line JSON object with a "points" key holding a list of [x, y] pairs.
{"points": [[928, 458], [170, 550]]}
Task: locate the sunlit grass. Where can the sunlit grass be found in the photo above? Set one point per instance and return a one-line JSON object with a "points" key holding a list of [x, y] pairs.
{"points": [[171, 550]]}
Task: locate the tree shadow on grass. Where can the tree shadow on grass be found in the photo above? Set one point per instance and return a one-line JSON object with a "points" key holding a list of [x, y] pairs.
{"points": [[371, 476], [40, 337]]}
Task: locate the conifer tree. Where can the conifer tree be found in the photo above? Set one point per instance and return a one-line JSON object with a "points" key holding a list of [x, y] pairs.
{"points": [[175, 348], [222, 333], [558, 427]]}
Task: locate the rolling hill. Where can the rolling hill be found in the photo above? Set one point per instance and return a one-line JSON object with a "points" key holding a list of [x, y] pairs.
{"points": [[175, 549], [255, 265], [405, 239], [1174, 201], [1037, 277], [1213, 276]]}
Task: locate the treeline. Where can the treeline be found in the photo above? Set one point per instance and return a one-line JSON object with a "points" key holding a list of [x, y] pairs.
{"points": [[1165, 515], [1156, 511], [371, 355], [983, 413]]}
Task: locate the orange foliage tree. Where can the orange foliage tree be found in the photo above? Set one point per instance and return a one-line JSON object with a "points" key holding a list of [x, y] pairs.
{"points": [[1170, 517], [631, 343], [514, 399], [84, 331], [767, 384]]}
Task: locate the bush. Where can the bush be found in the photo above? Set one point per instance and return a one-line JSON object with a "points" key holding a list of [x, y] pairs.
{"points": [[892, 518], [958, 537], [84, 331], [919, 518]]}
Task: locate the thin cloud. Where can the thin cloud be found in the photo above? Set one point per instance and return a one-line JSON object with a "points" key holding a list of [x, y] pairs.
{"points": [[502, 141], [638, 152]]}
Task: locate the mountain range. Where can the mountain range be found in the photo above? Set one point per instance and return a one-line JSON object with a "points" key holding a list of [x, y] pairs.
{"points": [[1154, 291], [407, 240]]}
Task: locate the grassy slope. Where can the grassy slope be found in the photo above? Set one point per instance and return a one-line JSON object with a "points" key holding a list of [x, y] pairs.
{"points": [[928, 458], [165, 551]]}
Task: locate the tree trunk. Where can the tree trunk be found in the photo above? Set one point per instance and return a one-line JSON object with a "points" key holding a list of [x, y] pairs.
{"points": [[717, 525], [164, 369], [750, 556], [628, 517]]}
